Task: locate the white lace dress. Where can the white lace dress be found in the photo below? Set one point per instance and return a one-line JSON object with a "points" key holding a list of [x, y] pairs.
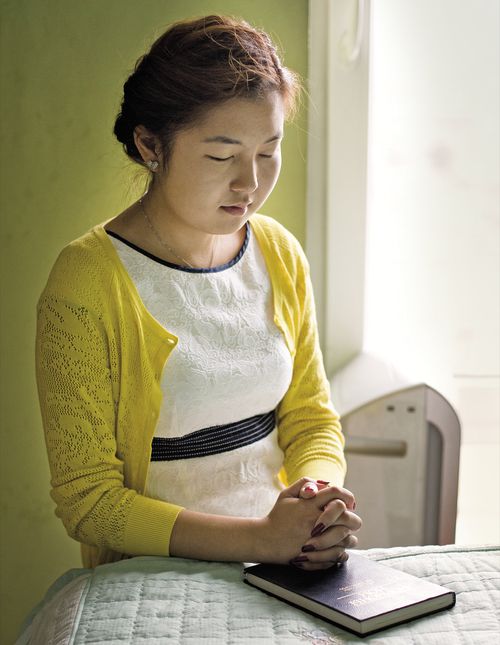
{"points": [[215, 448]]}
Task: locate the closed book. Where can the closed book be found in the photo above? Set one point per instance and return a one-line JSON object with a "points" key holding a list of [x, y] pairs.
{"points": [[361, 595]]}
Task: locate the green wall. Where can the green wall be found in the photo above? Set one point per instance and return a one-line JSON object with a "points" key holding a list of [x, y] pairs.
{"points": [[63, 65]]}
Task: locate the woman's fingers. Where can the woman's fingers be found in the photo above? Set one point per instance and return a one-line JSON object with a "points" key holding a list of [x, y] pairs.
{"points": [[339, 533], [308, 487], [311, 487], [351, 520], [295, 489], [328, 538], [350, 542], [312, 559], [333, 513], [329, 516], [329, 493], [320, 560], [308, 490]]}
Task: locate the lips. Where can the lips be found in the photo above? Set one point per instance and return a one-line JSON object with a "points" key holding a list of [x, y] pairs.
{"points": [[237, 209]]}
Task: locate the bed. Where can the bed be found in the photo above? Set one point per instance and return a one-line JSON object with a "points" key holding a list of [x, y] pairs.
{"points": [[171, 600]]}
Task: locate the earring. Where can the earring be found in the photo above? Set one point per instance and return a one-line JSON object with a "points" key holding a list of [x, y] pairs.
{"points": [[152, 165]]}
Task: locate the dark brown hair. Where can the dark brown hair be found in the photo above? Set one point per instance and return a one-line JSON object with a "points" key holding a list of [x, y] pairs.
{"points": [[194, 65]]}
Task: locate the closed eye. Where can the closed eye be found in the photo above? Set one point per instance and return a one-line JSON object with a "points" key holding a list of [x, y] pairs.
{"points": [[219, 158], [227, 158]]}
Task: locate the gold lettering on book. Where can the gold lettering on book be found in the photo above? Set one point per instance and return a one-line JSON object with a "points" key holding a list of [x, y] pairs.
{"points": [[361, 583], [380, 592]]}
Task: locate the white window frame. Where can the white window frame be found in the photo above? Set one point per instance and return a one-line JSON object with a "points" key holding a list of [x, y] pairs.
{"points": [[337, 172]]}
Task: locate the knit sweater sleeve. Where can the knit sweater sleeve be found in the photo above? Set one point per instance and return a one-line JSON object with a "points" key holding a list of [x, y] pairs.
{"points": [[309, 427], [76, 392]]}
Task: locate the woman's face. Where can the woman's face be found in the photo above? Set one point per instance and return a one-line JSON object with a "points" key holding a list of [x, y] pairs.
{"points": [[222, 169]]}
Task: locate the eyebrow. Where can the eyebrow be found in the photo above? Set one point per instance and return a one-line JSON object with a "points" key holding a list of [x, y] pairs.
{"points": [[228, 140]]}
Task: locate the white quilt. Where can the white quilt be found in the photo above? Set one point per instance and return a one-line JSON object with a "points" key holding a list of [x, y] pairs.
{"points": [[149, 600]]}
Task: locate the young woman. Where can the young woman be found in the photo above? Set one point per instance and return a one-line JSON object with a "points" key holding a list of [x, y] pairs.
{"points": [[184, 400]]}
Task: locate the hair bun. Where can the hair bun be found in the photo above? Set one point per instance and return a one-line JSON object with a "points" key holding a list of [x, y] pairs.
{"points": [[124, 132]]}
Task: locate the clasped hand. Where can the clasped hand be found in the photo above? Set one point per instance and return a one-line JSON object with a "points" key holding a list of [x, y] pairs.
{"points": [[311, 525]]}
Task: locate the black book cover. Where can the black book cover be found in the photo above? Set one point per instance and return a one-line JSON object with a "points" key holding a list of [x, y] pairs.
{"points": [[361, 595]]}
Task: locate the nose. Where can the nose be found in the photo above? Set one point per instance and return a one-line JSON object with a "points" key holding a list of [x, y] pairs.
{"points": [[246, 180]]}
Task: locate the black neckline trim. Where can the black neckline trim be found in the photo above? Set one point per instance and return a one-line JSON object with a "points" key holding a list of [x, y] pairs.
{"points": [[178, 267]]}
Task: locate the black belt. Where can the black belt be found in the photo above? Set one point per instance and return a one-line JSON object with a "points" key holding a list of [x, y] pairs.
{"points": [[213, 440]]}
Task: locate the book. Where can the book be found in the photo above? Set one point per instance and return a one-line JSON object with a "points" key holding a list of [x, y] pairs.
{"points": [[360, 595]]}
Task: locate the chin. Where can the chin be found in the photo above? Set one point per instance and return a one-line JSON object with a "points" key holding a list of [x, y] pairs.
{"points": [[228, 226]]}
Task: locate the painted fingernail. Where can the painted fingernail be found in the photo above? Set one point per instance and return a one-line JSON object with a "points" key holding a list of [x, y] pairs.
{"points": [[311, 489], [320, 481], [319, 528], [308, 547], [299, 558]]}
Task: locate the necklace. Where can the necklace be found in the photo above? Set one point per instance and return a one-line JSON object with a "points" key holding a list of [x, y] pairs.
{"points": [[165, 245]]}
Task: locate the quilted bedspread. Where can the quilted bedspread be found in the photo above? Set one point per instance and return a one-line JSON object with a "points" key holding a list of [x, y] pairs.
{"points": [[171, 600]]}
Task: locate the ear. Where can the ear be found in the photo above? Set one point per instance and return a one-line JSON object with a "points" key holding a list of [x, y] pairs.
{"points": [[147, 143]]}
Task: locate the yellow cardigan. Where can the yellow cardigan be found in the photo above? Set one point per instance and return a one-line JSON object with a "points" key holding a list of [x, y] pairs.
{"points": [[99, 358]]}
